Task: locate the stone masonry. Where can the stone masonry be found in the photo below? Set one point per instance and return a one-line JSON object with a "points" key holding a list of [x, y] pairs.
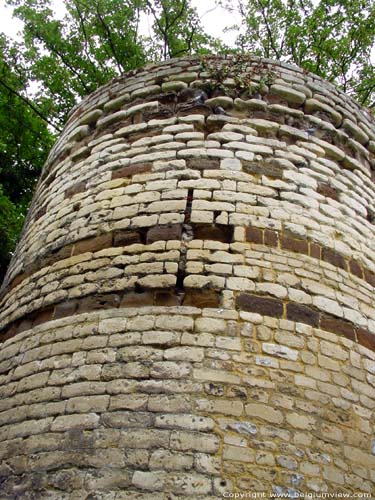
{"points": [[190, 311]]}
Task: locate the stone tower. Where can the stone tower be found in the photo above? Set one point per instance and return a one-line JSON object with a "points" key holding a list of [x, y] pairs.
{"points": [[190, 309]]}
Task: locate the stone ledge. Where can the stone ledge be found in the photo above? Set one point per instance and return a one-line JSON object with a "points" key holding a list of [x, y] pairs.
{"points": [[207, 232], [215, 232], [263, 305], [162, 297], [277, 308]]}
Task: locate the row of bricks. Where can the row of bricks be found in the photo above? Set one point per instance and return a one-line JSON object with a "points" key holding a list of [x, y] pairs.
{"points": [[261, 304]]}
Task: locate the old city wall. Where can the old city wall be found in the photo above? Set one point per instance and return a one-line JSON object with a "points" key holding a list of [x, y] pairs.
{"points": [[190, 309]]}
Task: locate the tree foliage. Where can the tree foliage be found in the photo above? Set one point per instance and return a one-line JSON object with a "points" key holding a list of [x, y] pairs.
{"points": [[97, 40], [10, 225], [60, 59], [72, 56], [331, 38], [177, 28], [24, 144]]}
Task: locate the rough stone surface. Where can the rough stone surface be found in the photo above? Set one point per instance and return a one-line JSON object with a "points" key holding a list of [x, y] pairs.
{"points": [[190, 311]]}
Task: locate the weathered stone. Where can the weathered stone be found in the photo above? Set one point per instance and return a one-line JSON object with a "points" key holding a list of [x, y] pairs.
{"points": [[356, 131], [190, 310], [129, 170], [302, 314], [288, 242], [288, 93], [280, 351], [338, 326], [173, 86], [254, 235], [264, 412], [262, 305], [313, 105]]}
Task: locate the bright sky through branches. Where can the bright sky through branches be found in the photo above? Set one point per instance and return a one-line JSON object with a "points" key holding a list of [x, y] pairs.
{"points": [[214, 20]]}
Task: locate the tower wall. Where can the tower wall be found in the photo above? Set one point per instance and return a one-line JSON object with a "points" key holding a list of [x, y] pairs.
{"points": [[190, 308]]}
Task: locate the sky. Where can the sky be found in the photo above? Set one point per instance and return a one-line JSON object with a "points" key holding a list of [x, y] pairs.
{"points": [[214, 19]]}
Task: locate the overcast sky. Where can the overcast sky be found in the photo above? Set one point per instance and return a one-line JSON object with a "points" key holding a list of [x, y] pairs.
{"points": [[214, 19]]}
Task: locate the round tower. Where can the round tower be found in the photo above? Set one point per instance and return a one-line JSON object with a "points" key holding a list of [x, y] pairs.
{"points": [[190, 311]]}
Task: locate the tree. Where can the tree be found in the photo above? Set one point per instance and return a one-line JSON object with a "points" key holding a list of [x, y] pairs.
{"points": [[177, 28], [72, 56], [24, 144], [331, 38]]}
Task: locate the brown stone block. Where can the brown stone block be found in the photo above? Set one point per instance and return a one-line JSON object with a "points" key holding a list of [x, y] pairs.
{"points": [[355, 268], [338, 326], [65, 252], [24, 324], [93, 244], [166, 298], [328, 191], [262, 168], [137, 299], [274, 167], [113, 127], [333, 258], [294, 244], [43, 315], [338, 416], [213, 232], [203, 163], [9, 332], [47, 260], [369, 277], [77, 188], [274, 117], [49, 179], [98, 301], [202, 298], [122, 238], [275, 99], [167, 232], [366, 338], [137, 168], [197, 109], [168, 98], [302, 314], [315, 251], [40, 213], [17, 280], [258, 304], [137, 118], [188, 94], [252, 167], [271, 238], [163, 113], [254, 235], [66, 308]]}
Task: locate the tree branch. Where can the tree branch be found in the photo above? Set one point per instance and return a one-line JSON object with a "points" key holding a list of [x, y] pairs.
{"points": [[161, 29], [87, 42], [54, 50], [30, 105], [269, 30], [109, 37]]}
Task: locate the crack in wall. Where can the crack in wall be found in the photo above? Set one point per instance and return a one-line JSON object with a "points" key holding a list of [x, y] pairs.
{"points": [[186, 236]]}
